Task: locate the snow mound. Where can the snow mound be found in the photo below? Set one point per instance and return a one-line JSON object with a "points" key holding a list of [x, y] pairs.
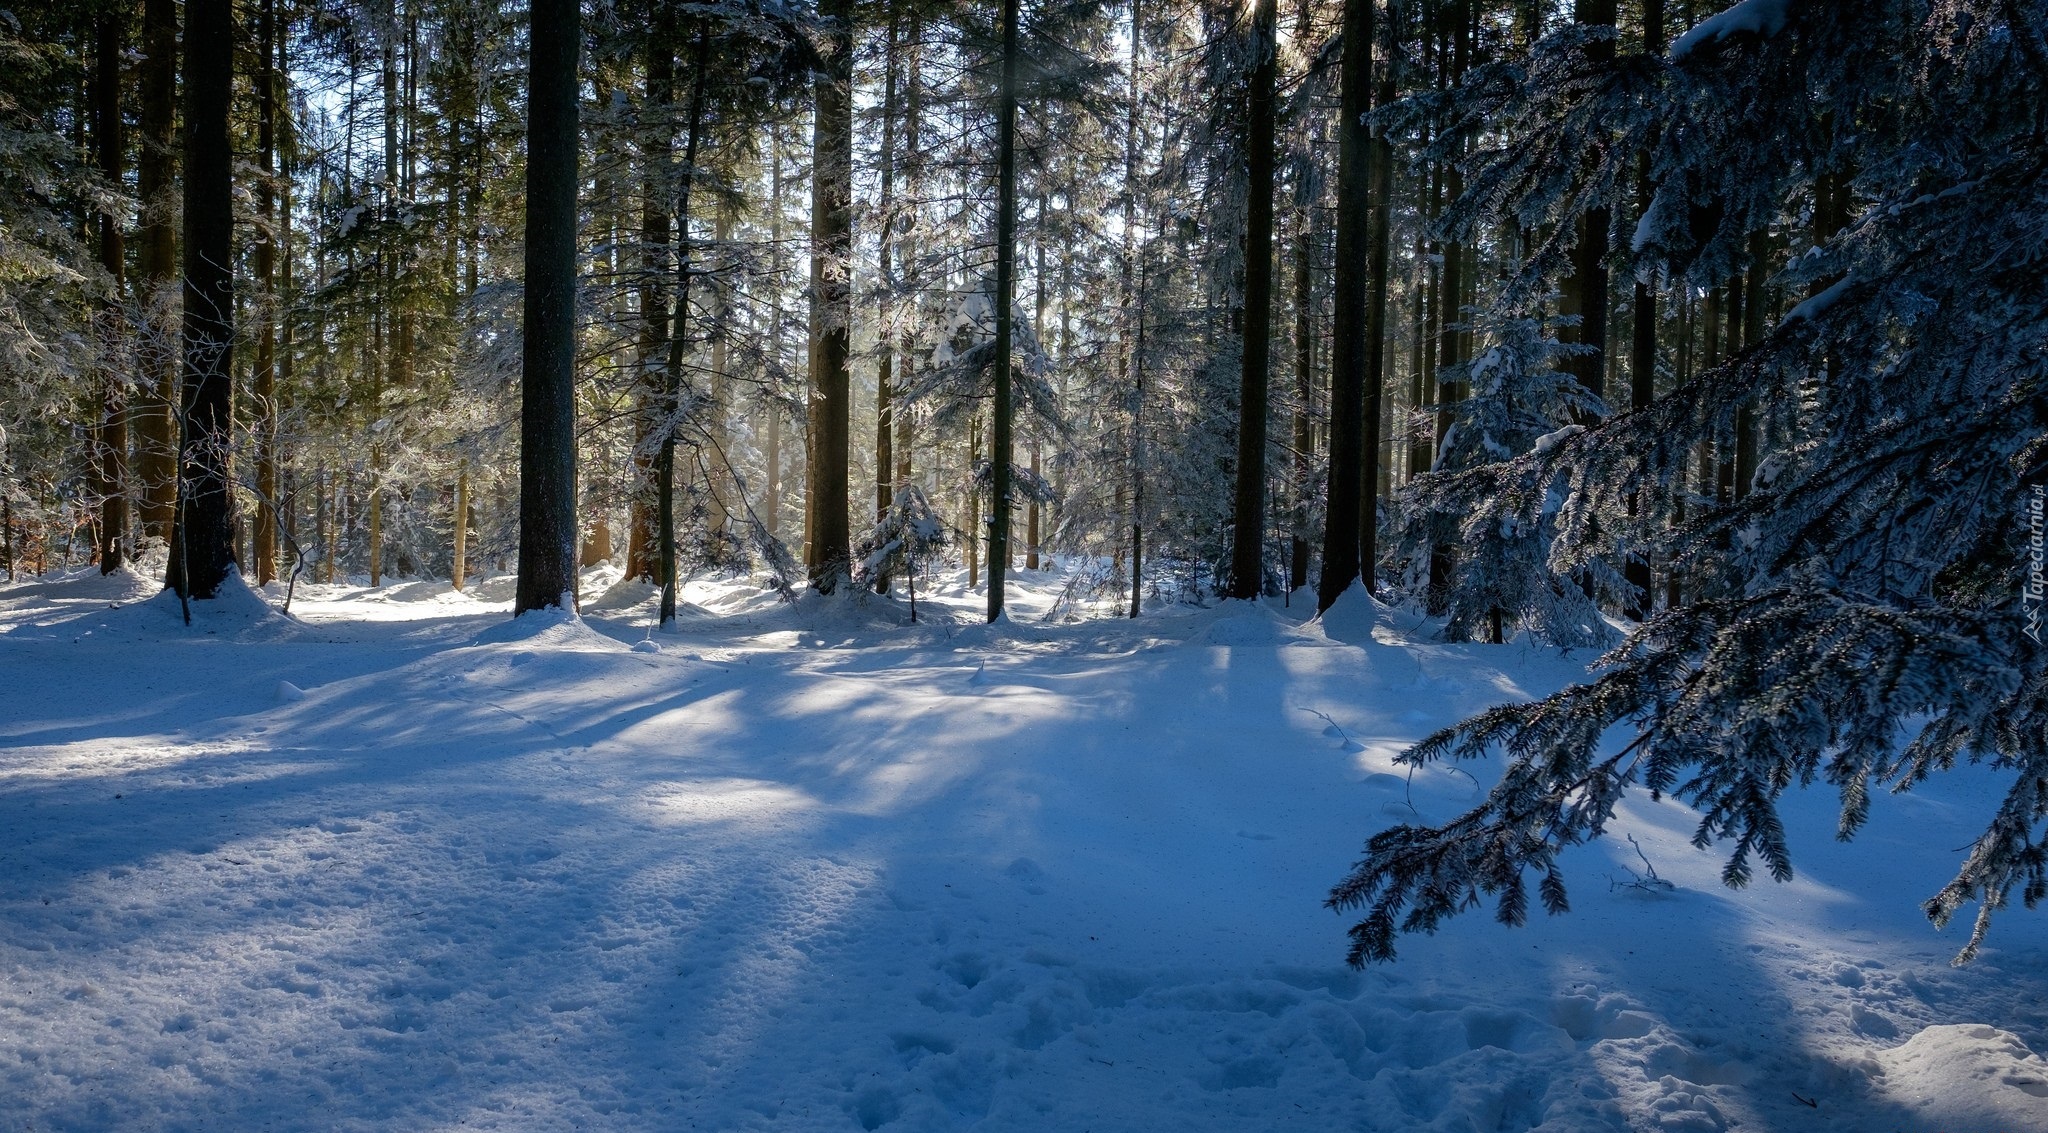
{"points": [[857, 608], [419, 590], [495, 588], [625, 594], [236, 609], [551, 628], [1353, 616], [1968, 1076], [1246, 623], [85, 584]]}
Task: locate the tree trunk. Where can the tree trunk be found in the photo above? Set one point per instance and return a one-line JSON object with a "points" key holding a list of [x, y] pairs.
{"points": [[1589, 256], [547, 427], [155, 418], [1134, 312], [656, 147], [111, 443], [678, 339], [1451, 339], [913, 106], [202, 540], [1375, 345], [459, 564], [1643, 340], [1342, 564], [1248, 512], [832, 300], [265, 379], [1000, 446], [885, 409], [1304, 391]]}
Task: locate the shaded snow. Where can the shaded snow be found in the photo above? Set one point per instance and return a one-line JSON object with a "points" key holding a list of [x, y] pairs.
{"points": [[812, 869]]}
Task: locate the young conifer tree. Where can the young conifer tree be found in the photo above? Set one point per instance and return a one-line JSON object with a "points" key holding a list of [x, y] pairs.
{"points": [[1873, 581]]}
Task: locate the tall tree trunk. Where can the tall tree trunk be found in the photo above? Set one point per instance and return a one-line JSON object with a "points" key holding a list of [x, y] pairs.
{"points": [[913, 107], [1375, 345], [156, 464], [111, 440], [885, 344], [265, 378], [1304, 391], [1451, 289], [203, 534], [1000, 447], [678, 339], [773, 403], [1248, 511], [1748, 442], [1589, 255], [832, 301], [657, 132], [547, 426], [1349, 347], [1031, 520], [459, 564], [719, 481], [1134, 314], [1643, 341]]}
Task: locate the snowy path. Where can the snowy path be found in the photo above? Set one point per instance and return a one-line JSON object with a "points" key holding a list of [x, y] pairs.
{"points": [[803, 870]]}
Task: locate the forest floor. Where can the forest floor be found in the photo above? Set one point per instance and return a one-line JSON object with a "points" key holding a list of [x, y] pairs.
{"points": [[401, 863]]}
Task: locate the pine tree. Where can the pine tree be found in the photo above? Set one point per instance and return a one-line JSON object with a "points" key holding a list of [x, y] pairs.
{"points": [[1873, 579], [547, 434], [203, 534]]}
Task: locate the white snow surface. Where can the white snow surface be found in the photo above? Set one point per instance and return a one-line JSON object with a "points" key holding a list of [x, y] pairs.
{"points": [[816, 868]]}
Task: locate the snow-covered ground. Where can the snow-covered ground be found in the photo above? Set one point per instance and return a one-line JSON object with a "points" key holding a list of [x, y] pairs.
{"points": [[405, 864]]}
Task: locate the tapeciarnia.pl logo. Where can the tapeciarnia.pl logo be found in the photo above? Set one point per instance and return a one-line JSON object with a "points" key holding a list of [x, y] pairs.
{"points": [[2036, 589]]}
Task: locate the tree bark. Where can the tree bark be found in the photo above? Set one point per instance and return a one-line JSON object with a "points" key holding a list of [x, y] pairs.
{"points": [[1134, 314], [1643, 340], [460, 563], [1589, 256], [885, 346], [264, 381], [642, 559], [111, 440], [156, 465], [832, 301], [1304, 391], [678, 339], [1375, 345], [203, 532], [1248, 513], [1000, 445], [547, 427], [1342, 563]]}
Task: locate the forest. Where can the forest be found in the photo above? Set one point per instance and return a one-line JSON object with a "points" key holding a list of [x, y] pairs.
{"points": [[1623, 423]]}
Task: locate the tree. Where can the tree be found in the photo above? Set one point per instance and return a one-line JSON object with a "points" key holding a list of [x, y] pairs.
{"points": [[547, 429], [1343, 540], [111, 443], [203, 535], [1870, 583], [1002, 452], [1248, 513], [831, 301], [156, 472], [265, 383]]}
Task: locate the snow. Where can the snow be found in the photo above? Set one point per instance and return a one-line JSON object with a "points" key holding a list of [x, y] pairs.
{"points": [[817, 868], [1751, 17], [1815, 307]]}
